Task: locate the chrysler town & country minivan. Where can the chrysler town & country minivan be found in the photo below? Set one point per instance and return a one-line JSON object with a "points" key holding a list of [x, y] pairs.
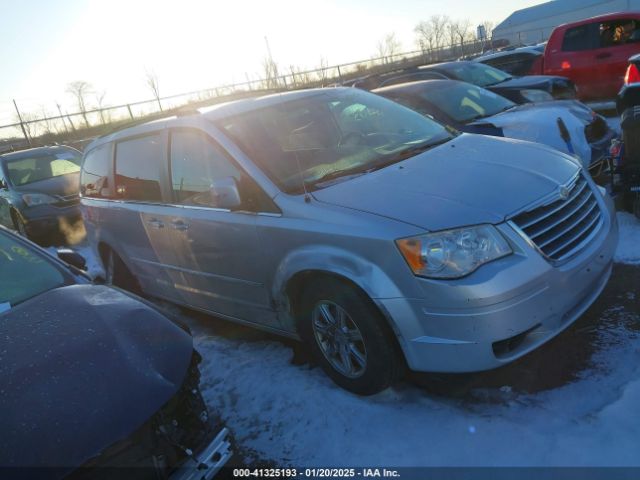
{"points": [[343, 219]]}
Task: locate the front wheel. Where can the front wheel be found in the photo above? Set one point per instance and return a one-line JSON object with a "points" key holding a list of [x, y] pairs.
{"points": [[348, 337]]}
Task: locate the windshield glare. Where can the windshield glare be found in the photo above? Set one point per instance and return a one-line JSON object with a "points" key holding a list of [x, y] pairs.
{"points": [[478, 74], [34, 169], [330, 135], [24, 273], [464, 102]]}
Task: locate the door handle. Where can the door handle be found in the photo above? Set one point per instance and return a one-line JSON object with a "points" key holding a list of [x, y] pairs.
{"points": [[155, 223], [179, 225], [602, 56]]}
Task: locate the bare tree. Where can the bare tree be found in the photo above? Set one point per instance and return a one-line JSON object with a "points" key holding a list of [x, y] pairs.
{"points": [[151, 79], [270, 69], [100, 101], [462, 30], [47, 126], [425, 38], [322, 70], [431, 34], [439, 26], [388, 47], [80, 89]]}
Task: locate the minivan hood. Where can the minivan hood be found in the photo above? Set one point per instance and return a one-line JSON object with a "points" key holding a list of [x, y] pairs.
{"points": [[537, 122], [469, 180], [82, 367]]}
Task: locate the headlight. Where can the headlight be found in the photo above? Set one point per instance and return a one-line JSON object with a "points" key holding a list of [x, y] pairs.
{"points": [[453, 253], [33, 199], [536, 96]]}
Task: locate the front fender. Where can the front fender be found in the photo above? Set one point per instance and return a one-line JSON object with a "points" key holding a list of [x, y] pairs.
{"points": [[332, 260]]}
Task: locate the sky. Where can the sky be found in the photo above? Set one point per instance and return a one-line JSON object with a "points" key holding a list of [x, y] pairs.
{"points": [[193, 44]]}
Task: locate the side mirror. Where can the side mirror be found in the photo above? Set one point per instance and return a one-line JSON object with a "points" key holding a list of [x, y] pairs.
{"points": [[72, 257], [225, 193]]}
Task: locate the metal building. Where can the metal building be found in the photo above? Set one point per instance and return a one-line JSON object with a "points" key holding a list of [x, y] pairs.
{"points": [[535, 24]]}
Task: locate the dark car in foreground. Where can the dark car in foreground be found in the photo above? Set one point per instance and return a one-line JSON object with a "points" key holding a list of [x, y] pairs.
{"points": [[472, 109], [39, 191], [532, 88], [94, 379]]}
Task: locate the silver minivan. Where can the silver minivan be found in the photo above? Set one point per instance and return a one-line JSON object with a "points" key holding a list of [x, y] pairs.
{"points": [[343, 219]]}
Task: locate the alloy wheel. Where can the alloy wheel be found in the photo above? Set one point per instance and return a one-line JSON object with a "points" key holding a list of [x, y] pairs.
{"points": [[339, 339]]}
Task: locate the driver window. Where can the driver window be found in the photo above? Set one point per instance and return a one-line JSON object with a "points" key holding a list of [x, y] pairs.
{"points": [[196, 163]]}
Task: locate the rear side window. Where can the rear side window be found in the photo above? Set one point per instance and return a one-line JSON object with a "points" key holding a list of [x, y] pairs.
{"points": [[138, 168], [94, 178], [583, 37], [619, 32]]}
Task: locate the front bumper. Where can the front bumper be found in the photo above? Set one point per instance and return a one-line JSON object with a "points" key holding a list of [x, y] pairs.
{"points": [[208, 462], [503, 310], [45, 220]]}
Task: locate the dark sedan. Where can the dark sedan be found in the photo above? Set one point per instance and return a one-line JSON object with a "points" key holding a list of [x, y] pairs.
{"points": [[472, 109], [39, 192], [532, 88], [94, 379]]}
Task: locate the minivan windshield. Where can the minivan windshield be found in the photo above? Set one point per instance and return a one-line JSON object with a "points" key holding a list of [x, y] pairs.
{"points": [[477, 73], [25, 170], [330, 135], [464, 102], [24, 272]]}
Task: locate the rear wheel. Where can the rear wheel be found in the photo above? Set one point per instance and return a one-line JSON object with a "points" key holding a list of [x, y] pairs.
{"points": [[348, 337]]}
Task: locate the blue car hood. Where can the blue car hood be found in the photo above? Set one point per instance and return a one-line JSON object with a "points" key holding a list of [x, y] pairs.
{"points": [[470, 180], [82, 367]]}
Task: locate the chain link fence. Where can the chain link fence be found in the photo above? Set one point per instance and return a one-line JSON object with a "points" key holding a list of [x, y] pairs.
{"points": [[78, 128]]}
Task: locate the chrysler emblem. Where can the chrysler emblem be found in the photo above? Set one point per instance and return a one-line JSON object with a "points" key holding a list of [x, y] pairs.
{"points": [[564, 192]]}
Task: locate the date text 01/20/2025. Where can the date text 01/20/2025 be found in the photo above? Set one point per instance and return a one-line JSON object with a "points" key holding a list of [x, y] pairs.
{"points": [[315, 473]]}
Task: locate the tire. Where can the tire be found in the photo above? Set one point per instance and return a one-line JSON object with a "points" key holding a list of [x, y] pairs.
{"points": [[361, 356], [117, 274]]}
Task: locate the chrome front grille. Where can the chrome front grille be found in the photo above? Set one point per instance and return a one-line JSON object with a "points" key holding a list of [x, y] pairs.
{"points": [[563, 228]]}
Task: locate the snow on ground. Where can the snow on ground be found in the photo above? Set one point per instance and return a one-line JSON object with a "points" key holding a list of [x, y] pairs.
{"points": [[294, 415], [629, 243]]}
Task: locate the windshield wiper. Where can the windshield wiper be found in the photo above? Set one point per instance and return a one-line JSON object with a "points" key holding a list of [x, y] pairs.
{"points": [[334, 174], [408, 153]]}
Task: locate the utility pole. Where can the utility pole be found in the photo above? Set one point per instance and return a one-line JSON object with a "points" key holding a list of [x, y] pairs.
{"points": [[24, 130]]}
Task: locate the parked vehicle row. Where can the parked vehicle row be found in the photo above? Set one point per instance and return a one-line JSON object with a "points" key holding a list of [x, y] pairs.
{"points": [[346, 220], [95, 380], [519, 90]]}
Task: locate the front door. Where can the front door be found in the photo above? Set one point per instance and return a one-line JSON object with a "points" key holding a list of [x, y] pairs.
{"points": [[216, 251]]}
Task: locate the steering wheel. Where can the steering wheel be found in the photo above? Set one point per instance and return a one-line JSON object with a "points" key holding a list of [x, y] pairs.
{"points": [[352, 138]]}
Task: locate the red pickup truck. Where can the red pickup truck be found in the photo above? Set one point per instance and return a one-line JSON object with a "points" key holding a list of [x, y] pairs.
{"points": [[593, 53]]}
